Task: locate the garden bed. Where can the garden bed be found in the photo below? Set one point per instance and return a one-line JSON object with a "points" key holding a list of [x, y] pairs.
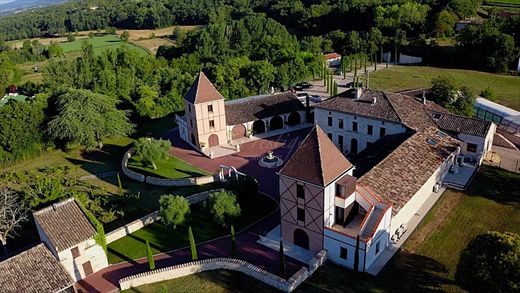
{"points": [[163, 238]]}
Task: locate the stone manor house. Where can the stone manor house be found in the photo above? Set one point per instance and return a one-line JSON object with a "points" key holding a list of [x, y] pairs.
{"points": [[404, 149]]}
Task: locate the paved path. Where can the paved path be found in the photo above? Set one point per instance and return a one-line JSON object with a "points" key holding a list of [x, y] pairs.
{"points": [[246, 161], [509, 159]]}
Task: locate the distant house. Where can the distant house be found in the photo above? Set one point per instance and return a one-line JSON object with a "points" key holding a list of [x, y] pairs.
{"points": [[332, 59], [461, 24], [68, 233], [34, 270]]}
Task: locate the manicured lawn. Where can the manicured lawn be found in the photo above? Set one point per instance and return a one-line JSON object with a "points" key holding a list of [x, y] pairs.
{"points": [[172, 168], [398, 78], [219, 281], [430, 256], [163, 239], [100, 44], [504, 1]]}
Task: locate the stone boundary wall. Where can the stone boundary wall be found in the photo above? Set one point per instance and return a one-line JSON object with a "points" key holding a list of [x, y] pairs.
{"points": [[162, 181], [152, 217], [232, 264]]}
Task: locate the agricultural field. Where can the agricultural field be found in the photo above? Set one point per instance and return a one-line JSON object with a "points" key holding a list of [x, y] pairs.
{"points": [[399, 78], [99, 44]]}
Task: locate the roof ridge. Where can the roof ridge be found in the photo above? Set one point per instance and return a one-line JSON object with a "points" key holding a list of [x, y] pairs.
{"points": [[319, 154], [393, 107], [53, 206]]}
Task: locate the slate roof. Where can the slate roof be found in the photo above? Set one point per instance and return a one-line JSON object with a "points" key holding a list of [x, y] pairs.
{"points": [[398, 177], [460, 124], [34, 270], [259, 107], [202, 91], [317, 160], [65, 224]]}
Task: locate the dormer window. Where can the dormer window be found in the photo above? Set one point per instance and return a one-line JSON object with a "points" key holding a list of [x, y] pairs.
{"points": [[210, 108]]}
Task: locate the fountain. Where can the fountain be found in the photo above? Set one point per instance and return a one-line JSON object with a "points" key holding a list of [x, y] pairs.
{"points": [[270, 161]]}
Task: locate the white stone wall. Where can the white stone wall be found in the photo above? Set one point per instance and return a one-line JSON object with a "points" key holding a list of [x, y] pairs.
{"points": [[225, 264], [484, 144], [333, 241], [381, 236], [162, 181], [329, 198], [361, 135], [89, 252]]}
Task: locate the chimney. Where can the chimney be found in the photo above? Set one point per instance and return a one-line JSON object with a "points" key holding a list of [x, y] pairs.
{"points": [[358, 93], [424, 97]]}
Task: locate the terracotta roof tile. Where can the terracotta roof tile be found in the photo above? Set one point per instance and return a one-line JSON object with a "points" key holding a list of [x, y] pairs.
{"points": [[398, 177], [259, 107], [317, 160], [202, 91], [34, 270], [65, 224]]}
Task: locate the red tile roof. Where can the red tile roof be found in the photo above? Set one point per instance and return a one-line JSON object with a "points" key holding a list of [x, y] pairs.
{"points": [[398, 177], [331, 56], [202, 91], [65, 224], [34, 270], [317, 160]]}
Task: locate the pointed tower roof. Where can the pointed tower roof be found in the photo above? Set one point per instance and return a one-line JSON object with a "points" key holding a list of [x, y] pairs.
{"points": [[317, 160], [202, 91]]}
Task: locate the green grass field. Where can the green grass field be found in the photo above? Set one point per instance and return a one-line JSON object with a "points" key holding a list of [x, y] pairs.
{"points": [[398, 78], [163, 239], [100, 44], [172, 168], [504, 1]]}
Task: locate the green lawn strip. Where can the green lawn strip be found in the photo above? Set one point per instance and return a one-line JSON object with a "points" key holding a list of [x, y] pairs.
{"points": [[100, 44], [163, 239], [219, 281], [399, 78], [172, 168]]}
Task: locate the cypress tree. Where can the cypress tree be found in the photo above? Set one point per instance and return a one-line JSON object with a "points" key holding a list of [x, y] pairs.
{"points": [[149, 255], [120, 185], [325, 77], [193, 248], [283, 265], [233, 243]]}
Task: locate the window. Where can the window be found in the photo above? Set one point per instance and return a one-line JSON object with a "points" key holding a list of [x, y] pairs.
{"points": [[300, 215], [340, 142], [354, 126], [340, 123], [329, 121], [191, 123], [472, 148], [300, 190], [210, 108], [75, 252], [329, 135], [382, 132], [343, 253], [370, 129], [211, 124], [189, 108], [377, 247]]}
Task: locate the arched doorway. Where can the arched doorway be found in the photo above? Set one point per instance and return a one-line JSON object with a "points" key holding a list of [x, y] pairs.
{"points": [[238, 131], [258, 127], [193, 140], [294, 119], [213, 140], [276, 123], [354, 146], [301, 238]]}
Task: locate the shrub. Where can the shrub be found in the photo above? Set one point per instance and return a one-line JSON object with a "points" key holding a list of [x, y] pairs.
{"points": [[173, 210], [224, 206], [489, 94], [283, 264], [490, 262], [152, 150], [193, 247]]}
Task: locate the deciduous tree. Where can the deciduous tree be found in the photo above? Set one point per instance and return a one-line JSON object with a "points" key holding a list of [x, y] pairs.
{"points": [[12, 214], [224, 206], [152, 150], [173, 210]]}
